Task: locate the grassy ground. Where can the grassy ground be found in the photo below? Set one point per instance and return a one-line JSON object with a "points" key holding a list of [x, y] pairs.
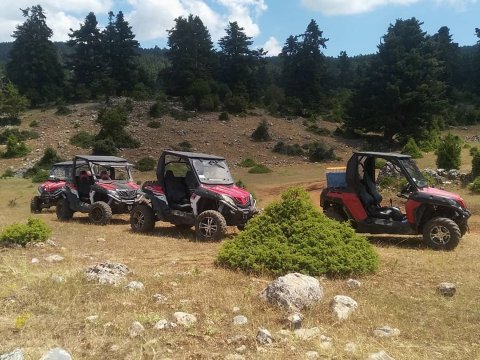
{"points": [[37, 313]]}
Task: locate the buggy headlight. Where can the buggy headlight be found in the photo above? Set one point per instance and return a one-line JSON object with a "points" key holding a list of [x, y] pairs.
{"points": [[228, 199]]}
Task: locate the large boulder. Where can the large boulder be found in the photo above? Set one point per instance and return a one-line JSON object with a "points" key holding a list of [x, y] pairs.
{"points": [[56, 354], [293, 291], [16, 354]]}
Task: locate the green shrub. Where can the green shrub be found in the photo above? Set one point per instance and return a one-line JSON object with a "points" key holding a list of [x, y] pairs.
{"points": [[448, 152], [314, 128], [259, 169], [293, 236], [411, 148], [7, 174], [49, 158], [21, 135], [261, 132], [247, 163], [9, 120], [158, 109], [240, 184], [476, 165], [223, 116], [154, 124], [236, 104], [40, 176], [475, 185], [318, 152], [128, 105], [104, 147], [82, 139], [286, 149], [33, 123], [15, 148], [113, 121], [179, 115], [35, 230], [62, 109], [380, 163], [185, 146], [146, 164], [473, 150]]}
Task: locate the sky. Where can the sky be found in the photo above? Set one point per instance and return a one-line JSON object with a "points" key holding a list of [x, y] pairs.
{"points": [[354, 26]]}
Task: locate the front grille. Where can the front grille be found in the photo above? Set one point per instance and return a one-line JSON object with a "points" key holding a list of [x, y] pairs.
{"points": [[127, 194]]}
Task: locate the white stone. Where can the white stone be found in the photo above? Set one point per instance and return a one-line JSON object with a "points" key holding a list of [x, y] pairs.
{"points": [[185, 319], [136, 329], [325, 342], [293, 291], [307, 334], [235, 309], [35, 261], [107, 273], [16, 354], [446, 289], [312, 355], [164, 325], [381, 355], [343, 306], [240, 320], [351, 347], [353, 284], [264, 337], [135, 286], [241, 349], [294, 321], [58, 279], [54, 258], [159, 298], [386, 331], [56, 354], [51, 243], [91, 318]]}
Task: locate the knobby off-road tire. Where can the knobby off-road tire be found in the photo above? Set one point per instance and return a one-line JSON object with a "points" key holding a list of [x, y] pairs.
{"points": [[334, 214], [463, 226], [142, 218], [210, 225], [64, 213], [100, 213], [35, 207], [441, 234]]}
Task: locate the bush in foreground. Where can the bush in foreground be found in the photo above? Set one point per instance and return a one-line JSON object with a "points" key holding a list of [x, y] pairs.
{"points": [[35, 230], [411, 148], [292, 236], [448, 152], [475, 185]]}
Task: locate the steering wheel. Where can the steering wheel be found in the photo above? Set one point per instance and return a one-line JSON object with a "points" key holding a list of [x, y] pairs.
{"points": [[405, 191]]}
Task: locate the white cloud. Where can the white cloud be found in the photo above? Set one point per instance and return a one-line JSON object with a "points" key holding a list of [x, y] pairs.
{"points": [[272, 46], [241, 12], [349, 7]]}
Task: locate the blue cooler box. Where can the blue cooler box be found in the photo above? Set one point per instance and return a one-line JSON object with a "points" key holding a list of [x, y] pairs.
{"points": [[336, 177]]}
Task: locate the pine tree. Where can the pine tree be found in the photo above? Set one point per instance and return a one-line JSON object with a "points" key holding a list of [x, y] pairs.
{"points": [[447, 52], [86, 62], [12, 103], [34, 66]]}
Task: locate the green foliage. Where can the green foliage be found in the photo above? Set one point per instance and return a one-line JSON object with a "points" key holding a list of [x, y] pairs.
{"points": [[12, 103], [49, 158], [15, 148], [475, 185], [448, 152], [476, 164], [318, 152], [240, 184], [293, 236], [63, 109], [411, 148], [20, 135], [223, 116], [261, 133], [287, 149], [380, 163], [154, 124], [7, 174], [473, 150], [82, 139], [314, 128], [33, 123], [113, 121], [158, 109], [104, 147], [429, 140], [35, 230], [179, 115], [237, 103], [146, 164], [13, 121], [185, 146], [259, 169], [40, 176], [247, 163]]}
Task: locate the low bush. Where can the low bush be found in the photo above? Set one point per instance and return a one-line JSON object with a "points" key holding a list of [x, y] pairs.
{"points": [[315, 129], [475, 185], [63, 109], [154, 124], [259, 169], [223, 116], [10, 120], [179, 115], [261, 133], [411, 148], [448, 152], [293, 236], [158, 109], [21, 135], [40, 176], [82, 139], [33, 123], [286, 149], [146, 164], [476, 165], [49, 158], [7, 174], [473, 150], [380, 163], [104, 147], [247, 163], [15, 148], [318, 152], [35, 230]]}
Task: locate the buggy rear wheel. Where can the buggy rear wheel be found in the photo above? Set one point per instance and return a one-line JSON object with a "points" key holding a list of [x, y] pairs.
{"points": [[210, 225], [441, 234], [142, 218], [100, 213], [35, 205], [64, 213]]}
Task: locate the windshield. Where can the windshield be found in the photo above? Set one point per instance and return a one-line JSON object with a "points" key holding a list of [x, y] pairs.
{"points": [[61, 172], [109, 172], [212, 171], [414, 172]]}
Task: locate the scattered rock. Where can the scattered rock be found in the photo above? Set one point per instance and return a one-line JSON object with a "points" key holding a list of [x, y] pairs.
{"points": [[135, 329], [235, 309], [164, 325], [56, 354], [343, 306], [91, 318], [381, 355], [51, 243], [135, 286], [159, 298], [54, 258], [241, 349], [325, 342], [237, 339], [351, 347], [447, 289], [353, 284], [307, 334], [294, 321], [234, 357], [16, 354], [312, 355], [35, 261], [107, 273], [185, 319], [58, 279], [240, 320], [386, 331], [264, 337], [114, 348], [293, 291]]}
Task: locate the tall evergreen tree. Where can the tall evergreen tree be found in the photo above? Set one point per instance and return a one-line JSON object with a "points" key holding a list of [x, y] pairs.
{"points": [[446, 51], [34, 66], [345, 72], [402, 93], [87, 61]]}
